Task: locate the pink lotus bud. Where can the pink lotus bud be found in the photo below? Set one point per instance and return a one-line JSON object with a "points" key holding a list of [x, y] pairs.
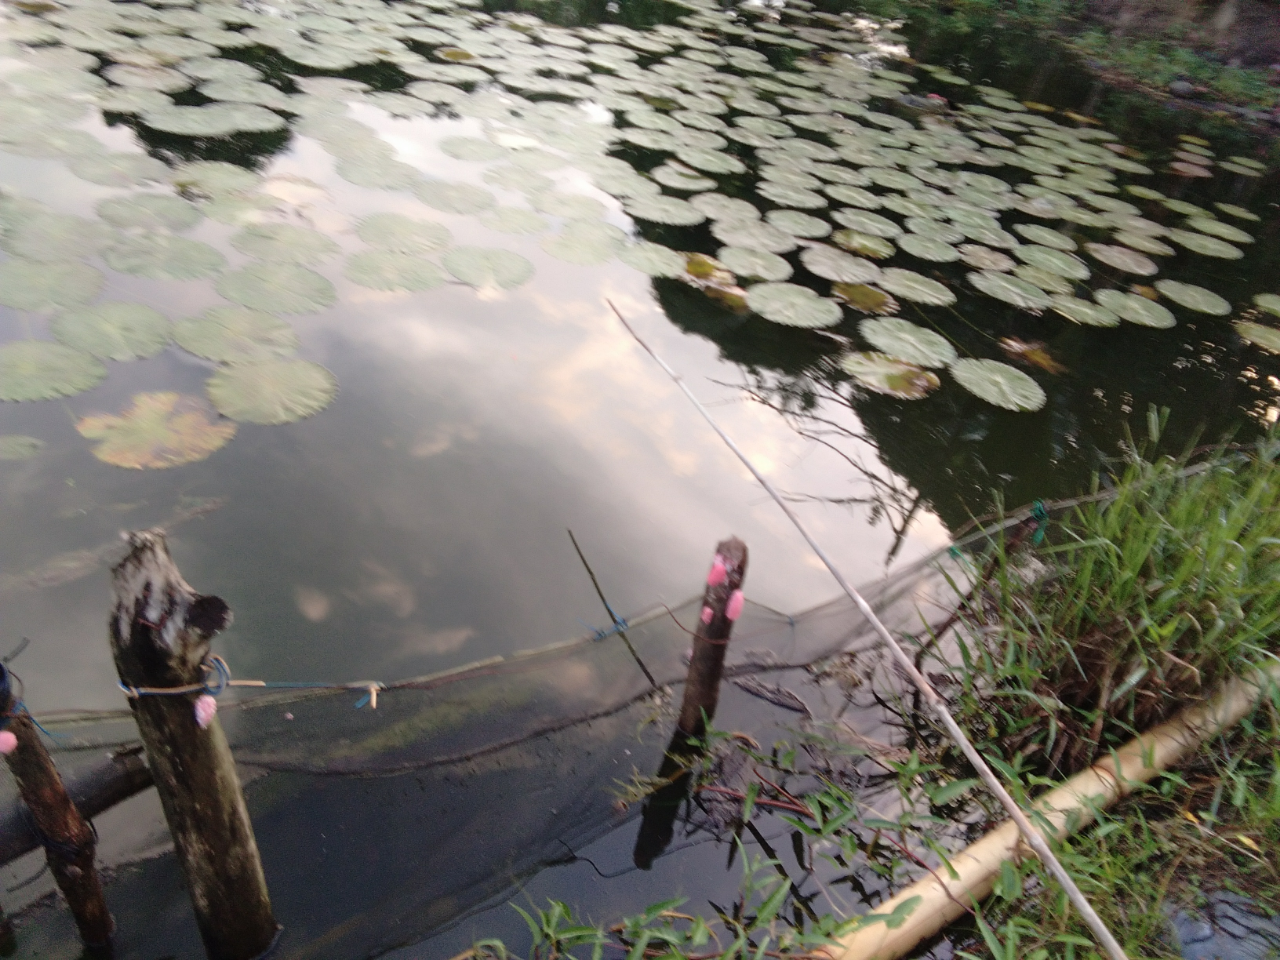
{"points": [[206, 708], [717, 574], [734, 609], [707, 614], [8, 742]]}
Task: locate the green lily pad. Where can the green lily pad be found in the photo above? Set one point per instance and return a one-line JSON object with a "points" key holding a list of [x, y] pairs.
{"points": [[235, 335], [55, 236], [1122, 258], [1135, 309], [984, 258], [15, 446], [387, 270], [1011, 290], [278, 288], [710, 161], [1193, 297], [42, 287], [213, 119], [113, 331], [1145, 243], [1216, 228], [487, 267], [159, 430], [1269, 302], [864, 243], [1205, 245], [786, 195], [910, 285], [927, 248], [716, 206], [212, 178], [513, 220], [41, 370], [162, 256], [472, 148], [679, 177], [792, 305], [668, 210], [573, 205], [1084, 312], [798, 224], [453, 197], [865, 222], [401, 234], [272, 392], [1268, 338], [585, 242], [150, 211], [889, 375], [1046, 280], [999, 384], [283, 243], [906, 341], [1240, 213], [1034, 233], [754, 263], [854, 196], [1054, 261], [753, 234], [838, 266], [656, 260], [119, 169]]}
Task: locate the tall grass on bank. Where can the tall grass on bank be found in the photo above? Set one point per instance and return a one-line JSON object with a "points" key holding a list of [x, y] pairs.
{"points": [[1132, 607]]}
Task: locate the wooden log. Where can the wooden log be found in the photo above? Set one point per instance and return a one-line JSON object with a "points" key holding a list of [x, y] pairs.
{"points": [[68, 838], [93, 791], [160, 635], [721, 606]]}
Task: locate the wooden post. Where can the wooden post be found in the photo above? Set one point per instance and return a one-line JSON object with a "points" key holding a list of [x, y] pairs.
{"points": [[160, 634], [721, 607], [68, 839]]}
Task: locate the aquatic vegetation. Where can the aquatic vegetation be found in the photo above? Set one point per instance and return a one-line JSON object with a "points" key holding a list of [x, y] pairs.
{"points": [[158, 430], [40, 370], [113, 330], [235, 335], [272, 391], [889, 375], [906, 341], [999, 384], [15, 446]]}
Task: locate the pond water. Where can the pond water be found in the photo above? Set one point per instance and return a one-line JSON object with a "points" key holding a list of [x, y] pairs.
{"points": [[327, 289]]}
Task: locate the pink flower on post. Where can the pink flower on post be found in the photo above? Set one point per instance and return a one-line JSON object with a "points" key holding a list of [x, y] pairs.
{"points": [[8, 742], [734, 609], [206, 709]]}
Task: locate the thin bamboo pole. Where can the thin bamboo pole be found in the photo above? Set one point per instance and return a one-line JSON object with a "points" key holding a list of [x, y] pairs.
{"points": [[1067, 809]]}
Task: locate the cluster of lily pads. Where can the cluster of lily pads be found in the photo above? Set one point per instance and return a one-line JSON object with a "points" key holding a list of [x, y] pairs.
{"points": [[777, 138]]}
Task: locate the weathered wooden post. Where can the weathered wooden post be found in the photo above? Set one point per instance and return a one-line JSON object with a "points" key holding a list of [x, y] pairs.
{"points": [[160, 634], [68, 839], [721, 606]]}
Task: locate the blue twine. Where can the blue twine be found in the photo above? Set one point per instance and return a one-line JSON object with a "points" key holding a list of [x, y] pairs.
{"points": [[21, 707], [1040, 514], [598, 634]]}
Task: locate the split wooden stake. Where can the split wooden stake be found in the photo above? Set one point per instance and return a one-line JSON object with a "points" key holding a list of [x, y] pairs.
{"points": [[160, 634], [68, 838], [721, 606]]}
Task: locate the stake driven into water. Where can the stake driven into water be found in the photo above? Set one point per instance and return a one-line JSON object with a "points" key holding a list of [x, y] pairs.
{"points": [[1029, 833]]}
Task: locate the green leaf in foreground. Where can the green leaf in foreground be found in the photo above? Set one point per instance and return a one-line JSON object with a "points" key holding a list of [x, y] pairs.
{"points": [[278, 288], [40, 370], [890, 375], [906, 341], [999, 384], [1268, 338], [273, 391], [42, 287], [1193, 297], [1136, 309], [401, 234], [113, 331], [162, 256], [158, 430], [792, 305], [385, 270], [283, 243], [487, 267]]}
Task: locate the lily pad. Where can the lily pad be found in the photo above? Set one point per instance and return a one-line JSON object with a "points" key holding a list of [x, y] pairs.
{"points": [[1145, 243], [754, 263], [387, 270], [1122, 258], [574, 205], [453, 197], [513, 220], [40, 370], [668, 210], [1044, 236], [585, 242], [864, 243], [1216, 228], [753, 234], [798, 224], [656, 260], [999, 384], [889, 375], [717, 206], [838, 266], [15, 446], [1193, 297], [792, 305], [278, 288], [864, 298], [235, 335], [42, 287], [113, 331], [984, 258], [906, 341], [487, 267], [1084, 312], [150, 211], [158, 430], [401, 234], [912, 286], [1206, 245], [272, 392], [1268, 338], [1011, 290], [927, 248], [472, 148], [162, 256], [1269, 302], [865, 222], [1135, 309], [118, 169], [1054, 261], [1240, 213], [55, 236], [283, 243], [213, 119], [786, 195]]}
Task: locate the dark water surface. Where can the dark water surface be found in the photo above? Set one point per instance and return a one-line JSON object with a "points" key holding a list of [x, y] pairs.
{"points": [[418, 521]]}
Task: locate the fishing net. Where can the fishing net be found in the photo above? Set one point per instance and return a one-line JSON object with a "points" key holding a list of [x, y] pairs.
{"points": [[379, 826]]}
